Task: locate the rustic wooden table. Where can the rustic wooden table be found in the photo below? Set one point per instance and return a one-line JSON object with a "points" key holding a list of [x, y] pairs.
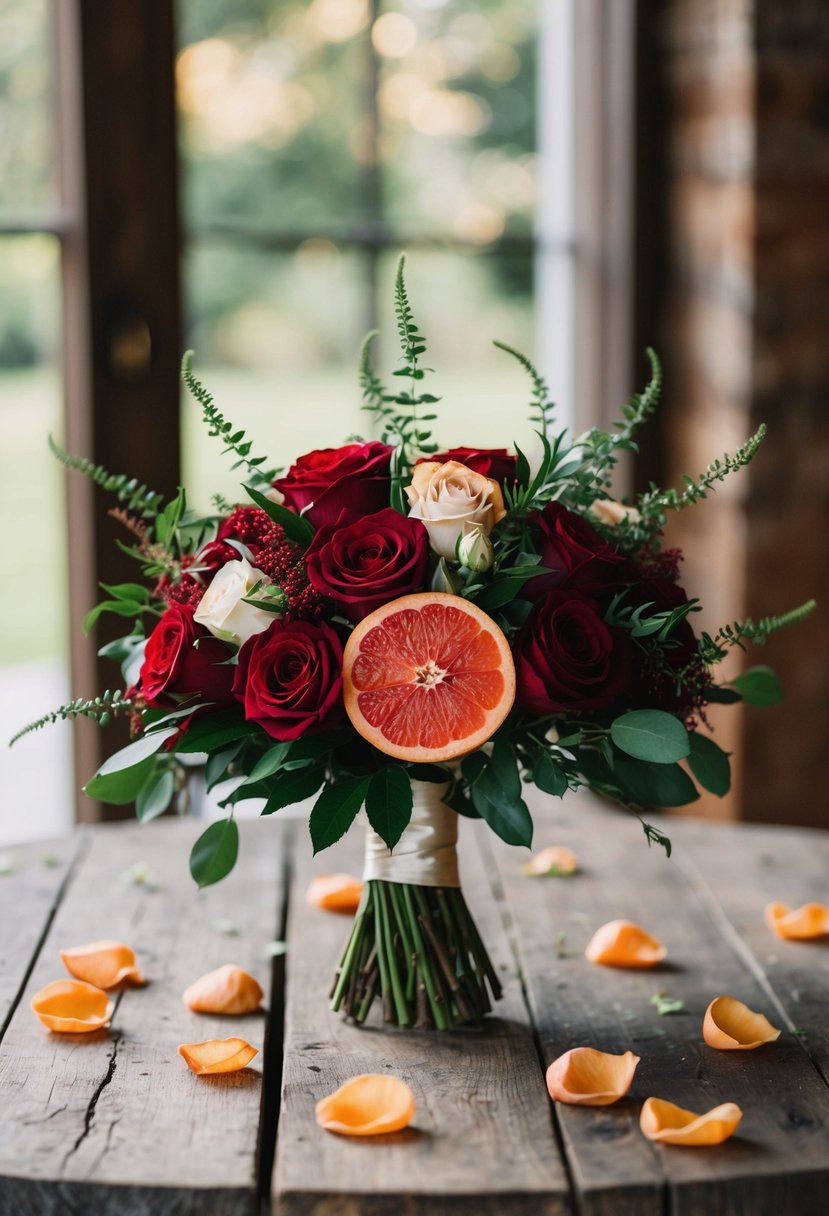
{"points": [[113, 1122]]}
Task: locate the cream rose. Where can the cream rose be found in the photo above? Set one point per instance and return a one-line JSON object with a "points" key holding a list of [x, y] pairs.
{"points": [[222, 609], [447, 497], [611, 513]]}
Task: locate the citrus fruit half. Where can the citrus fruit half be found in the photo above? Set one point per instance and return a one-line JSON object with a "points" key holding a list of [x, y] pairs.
{"points": [[427, 677]]}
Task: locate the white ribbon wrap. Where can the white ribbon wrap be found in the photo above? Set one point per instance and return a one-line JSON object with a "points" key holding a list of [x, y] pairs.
{"points": [[425, 855]]}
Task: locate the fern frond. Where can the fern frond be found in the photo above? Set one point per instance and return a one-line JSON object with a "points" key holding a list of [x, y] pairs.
{"points": [[541, 407], [100, 709], [656, 502], [374, 394], [714, 649], [641, 405], [219, 426], [135, 497]]}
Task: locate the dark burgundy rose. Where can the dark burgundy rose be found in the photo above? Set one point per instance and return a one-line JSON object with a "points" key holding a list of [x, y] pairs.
{"points": [[567, 658], [496, 463], [175, 666], [352, 478], [361, 563], [575, 553], [289, 678]]}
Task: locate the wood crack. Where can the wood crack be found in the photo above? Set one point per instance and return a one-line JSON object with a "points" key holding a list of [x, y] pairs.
{"points": [[89, 1114]]}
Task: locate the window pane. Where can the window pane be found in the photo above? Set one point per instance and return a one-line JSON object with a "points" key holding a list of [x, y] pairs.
{"points": [[276, 339], [456, 106], [33, 641], [26, 121], [270, 101]]}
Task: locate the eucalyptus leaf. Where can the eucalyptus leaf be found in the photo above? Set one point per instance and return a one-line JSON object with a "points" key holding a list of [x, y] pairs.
{"points": [[155, 794], [651, 734], [214, 854], [709, 764], [649, 784], [759, 686]]}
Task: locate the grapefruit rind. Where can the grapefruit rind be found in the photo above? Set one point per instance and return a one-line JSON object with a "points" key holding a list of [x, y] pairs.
{"points": [[402, 653]]}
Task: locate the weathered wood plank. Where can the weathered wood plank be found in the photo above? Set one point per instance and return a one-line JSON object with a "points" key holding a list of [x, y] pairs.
{"points": [[114, 1121], [482, 1140], [779, 1161], [791, 865], [29, 894]]}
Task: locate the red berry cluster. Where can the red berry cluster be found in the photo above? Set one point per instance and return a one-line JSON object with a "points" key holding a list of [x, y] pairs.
{"points": [[277, 556], [188, 590], [658, 563]]}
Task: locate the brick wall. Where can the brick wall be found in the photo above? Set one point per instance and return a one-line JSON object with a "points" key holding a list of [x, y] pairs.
{"points": [[745, 333]]}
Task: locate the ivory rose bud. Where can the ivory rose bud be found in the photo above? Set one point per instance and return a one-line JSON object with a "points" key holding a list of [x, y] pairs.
{"points": [[609, 512], [475, 549], [449, 497], [222, 609]]}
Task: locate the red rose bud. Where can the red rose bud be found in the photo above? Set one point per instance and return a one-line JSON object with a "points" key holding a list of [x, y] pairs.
{"points": [[496, 463], [351, 478], [575, 553], [181, 659], [289, 679], [567, 658], [368, 561]]}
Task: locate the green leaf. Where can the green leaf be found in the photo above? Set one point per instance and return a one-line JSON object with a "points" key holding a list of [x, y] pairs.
{"points": [[709, 764], [548, 775], [270, 763], [503, 590], [119, 607], [135, 752], [122, 786], [509, 819], [296, 526], [289, 788], [650, 784], [472, 766], [722, 696], [759, 686], [651, 734], [335, 811], [214, 854], [458, 802], [389, 803], [433, 773], [155, 794], [215, 769], [134, 592], [504, 768], [209, 733], [522, 468]]}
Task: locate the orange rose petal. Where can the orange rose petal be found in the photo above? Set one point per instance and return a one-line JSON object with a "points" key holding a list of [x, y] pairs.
{"points": [[729, 1025], [584, 1076], [228, 989], [335, 892], [669, 1124], [368, 1105], [556, 861], [72, 1007], [103, 964], [217, 1055], [798, 924], [621, 943]]}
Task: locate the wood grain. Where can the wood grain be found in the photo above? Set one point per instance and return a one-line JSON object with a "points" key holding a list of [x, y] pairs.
{"points": [[114, 1121], [779, 1160], [29, 894], [482, 1140]]}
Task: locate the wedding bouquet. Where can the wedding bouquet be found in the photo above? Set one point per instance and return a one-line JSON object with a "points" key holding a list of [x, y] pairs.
{"points": [[416, 633]]}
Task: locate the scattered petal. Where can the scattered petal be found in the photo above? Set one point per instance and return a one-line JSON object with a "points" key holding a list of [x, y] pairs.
{"points": [[729, 1025], [217, 1056], [584, 1076], [368, 1105], [556, 861], [72, 1007], [335, 892], [621, 943], [103, 964], [671, 1124], [798, 924], [228, 989]]}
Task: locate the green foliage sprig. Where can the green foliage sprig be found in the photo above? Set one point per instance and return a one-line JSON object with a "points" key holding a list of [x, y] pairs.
{"points": [[219, 426], [601, 448], [654, 504], [641, 624], [714, 649], [136, 497], [100, 709], [541, 407]]}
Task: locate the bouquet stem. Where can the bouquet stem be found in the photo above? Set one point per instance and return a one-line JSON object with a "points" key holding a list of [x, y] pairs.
{"points": [[418, 949]]}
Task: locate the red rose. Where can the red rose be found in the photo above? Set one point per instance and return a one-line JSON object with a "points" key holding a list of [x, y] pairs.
{"points": [[351, 478], [289, 678], [574, 553], [567, 658], [363, 563], [496, 463], [174, 666]]}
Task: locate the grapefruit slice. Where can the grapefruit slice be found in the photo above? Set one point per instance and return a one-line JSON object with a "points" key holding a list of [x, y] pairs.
{"points": [[427, 677]]}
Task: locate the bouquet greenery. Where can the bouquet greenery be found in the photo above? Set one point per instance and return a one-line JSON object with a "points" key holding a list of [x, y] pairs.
{"points": [[417, 633]]}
